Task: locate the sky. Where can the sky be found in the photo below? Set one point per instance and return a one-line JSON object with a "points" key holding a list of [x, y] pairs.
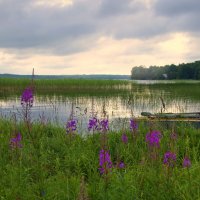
{"points": [[96, 36]]}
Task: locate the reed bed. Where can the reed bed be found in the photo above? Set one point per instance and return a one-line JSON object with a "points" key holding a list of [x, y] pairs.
{"points": [[10, 86], [60, 83]]}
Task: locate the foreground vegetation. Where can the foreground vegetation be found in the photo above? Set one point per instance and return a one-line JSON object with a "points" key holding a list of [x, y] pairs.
{"points": [[142, 161], [50, 164]]}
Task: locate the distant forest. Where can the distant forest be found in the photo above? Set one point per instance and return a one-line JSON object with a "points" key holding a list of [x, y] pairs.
{"points": [[181, 71]]}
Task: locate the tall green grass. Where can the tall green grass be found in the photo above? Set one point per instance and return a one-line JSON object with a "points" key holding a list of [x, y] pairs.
{"points": [[74, 83], [64, 86], [74, 87], [63, 167]]}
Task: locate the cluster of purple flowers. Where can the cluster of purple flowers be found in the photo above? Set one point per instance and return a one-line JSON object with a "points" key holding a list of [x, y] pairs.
{"points": [[169, 159], [93, 124], [133, 125], [104, 161], [104, 125], [124, 138], [71, 126], [153, 138], [186, 162], [15, 141], [27, 97]]}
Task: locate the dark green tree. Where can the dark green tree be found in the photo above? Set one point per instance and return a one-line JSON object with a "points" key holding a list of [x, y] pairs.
{"points": [[181, 71]]}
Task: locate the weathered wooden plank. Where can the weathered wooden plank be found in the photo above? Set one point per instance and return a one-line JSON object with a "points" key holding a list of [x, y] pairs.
{"points": [[195, 115]]}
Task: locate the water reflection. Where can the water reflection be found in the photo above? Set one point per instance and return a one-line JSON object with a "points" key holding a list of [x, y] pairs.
{"points": [[140, 98]]}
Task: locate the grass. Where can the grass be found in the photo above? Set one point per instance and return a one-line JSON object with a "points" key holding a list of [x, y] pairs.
{"points": [[177, 89], [63, 83], [53, 165], [65, 87]]}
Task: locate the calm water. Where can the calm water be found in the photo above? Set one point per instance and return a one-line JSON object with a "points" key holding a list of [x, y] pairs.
{"points": [[144, 96]]}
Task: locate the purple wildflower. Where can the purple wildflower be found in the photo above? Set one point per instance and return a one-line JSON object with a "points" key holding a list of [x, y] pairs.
{"points": [[104, 125], [15, 141], [71, 126], [186, 162], [153, 138], [104, 161], [121, 165], [124, 138], [93, 124], [133, 125], [169, 159], [27, 97]]}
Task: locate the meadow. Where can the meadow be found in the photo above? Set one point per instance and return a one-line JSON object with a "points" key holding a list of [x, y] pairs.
{"points": [[53, 164], [144, 160]]}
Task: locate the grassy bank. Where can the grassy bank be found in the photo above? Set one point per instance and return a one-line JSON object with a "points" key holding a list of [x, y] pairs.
{"points": [[53, 165]]}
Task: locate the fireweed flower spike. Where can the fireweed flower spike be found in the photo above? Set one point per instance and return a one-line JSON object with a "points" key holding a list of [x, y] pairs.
{"points": [[133, 125], [93, 124], [71, 126], [186, 162], [124, 138], [15, 141], [104, 161], [27, 97], [169, 159], [104, 125], [153, 138]]}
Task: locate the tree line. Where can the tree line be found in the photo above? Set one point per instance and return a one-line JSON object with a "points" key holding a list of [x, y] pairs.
{"points": [[181, 71]]}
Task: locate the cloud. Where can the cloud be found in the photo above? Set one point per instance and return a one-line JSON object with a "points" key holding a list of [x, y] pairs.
{"points": [[112, 8], [110, 56], [26, 25], [96, 36], [60, 26], [180, 15], [173, 8], [59, 3]]}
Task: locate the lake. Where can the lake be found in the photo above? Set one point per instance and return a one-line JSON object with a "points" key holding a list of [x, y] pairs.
{"points": [[128, 100]]}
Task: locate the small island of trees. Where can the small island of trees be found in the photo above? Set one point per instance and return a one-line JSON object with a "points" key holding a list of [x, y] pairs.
{"points": [[181, 71]]}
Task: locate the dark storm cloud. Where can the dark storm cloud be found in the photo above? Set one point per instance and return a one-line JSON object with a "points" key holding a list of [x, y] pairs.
{"points": [[173, 8], [26, 26], [75, 28], [181, 15], [119, 7], [139, 27]]}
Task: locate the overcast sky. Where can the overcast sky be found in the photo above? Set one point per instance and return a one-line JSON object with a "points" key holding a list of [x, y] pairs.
{"points": [[96, 36]]}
